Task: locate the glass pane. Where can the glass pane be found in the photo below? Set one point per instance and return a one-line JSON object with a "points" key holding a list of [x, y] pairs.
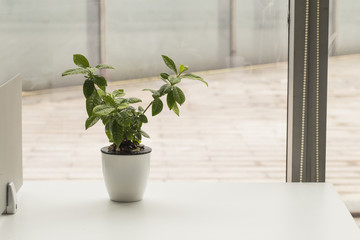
{"points": [[261, 32], [343, 145], [139, 32], [38, 38], [234, 130]]}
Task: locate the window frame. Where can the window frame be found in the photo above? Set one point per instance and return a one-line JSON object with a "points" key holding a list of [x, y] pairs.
{"points": [[307, 90]]}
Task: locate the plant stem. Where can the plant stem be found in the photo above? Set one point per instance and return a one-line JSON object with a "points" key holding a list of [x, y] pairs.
{"points": [[148, 107]]}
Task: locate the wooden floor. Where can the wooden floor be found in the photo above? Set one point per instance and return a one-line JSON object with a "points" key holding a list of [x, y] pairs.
{"points": [[234, 130]]}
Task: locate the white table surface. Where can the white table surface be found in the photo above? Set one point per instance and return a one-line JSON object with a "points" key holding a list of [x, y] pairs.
{"points": [[175, 210]]}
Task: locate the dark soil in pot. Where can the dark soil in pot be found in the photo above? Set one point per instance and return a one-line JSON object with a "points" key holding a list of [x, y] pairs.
{"points": [[145, 150]]}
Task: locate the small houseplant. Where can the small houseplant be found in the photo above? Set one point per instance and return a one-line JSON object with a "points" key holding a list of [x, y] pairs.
{"points": [[126, 161]]}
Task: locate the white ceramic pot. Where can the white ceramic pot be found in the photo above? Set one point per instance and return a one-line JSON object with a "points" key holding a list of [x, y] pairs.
{"points": [[126, 174]]}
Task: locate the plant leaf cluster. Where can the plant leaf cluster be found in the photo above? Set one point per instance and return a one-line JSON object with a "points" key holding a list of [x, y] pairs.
{"points": [[174, 95], [123, 121]]}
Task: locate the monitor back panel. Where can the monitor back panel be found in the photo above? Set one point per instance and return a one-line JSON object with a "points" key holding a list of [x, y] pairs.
{"points": [[10, 137]]}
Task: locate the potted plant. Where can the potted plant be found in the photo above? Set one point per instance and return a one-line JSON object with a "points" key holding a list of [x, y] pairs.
{"points": [[126, 161]]}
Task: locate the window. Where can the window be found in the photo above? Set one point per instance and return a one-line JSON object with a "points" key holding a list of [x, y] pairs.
{"points": [[234, 130]]}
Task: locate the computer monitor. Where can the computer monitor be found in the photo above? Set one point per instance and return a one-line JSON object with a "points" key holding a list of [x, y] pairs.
{"points": [[10, 137]]}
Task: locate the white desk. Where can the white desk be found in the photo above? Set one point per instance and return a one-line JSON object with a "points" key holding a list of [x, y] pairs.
{"points": [[186, 211]]}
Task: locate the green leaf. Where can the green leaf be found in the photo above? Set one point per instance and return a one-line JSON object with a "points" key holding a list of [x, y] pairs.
{"points": [[170, 100], [129, 112], [139, 124], [91, 121], [176, 109], [150, 90], [140, 109], [129, 135], [194, 77], [103, 110], [134, 100], [157, 106], [100, 81], [164, 75], [74, 71], [170, 63], [81, 61], [143, 118], [92, 70], [144, 134], [88, 88], [183, 68], [164, 89], [156, 94], [101, 92], [92, 101], [116, 133], [118, 101], [127, 122], [179, 96], [108, 131], [109, 100], [118, 93], [174, 80], [138, 137], [123, 119], [104, 66], [122, 106], [123, 114], [105, 119], [119, 119]]}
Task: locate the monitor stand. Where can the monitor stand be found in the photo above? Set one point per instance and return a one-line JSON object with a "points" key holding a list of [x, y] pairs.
{"points": [[11, 199]]}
